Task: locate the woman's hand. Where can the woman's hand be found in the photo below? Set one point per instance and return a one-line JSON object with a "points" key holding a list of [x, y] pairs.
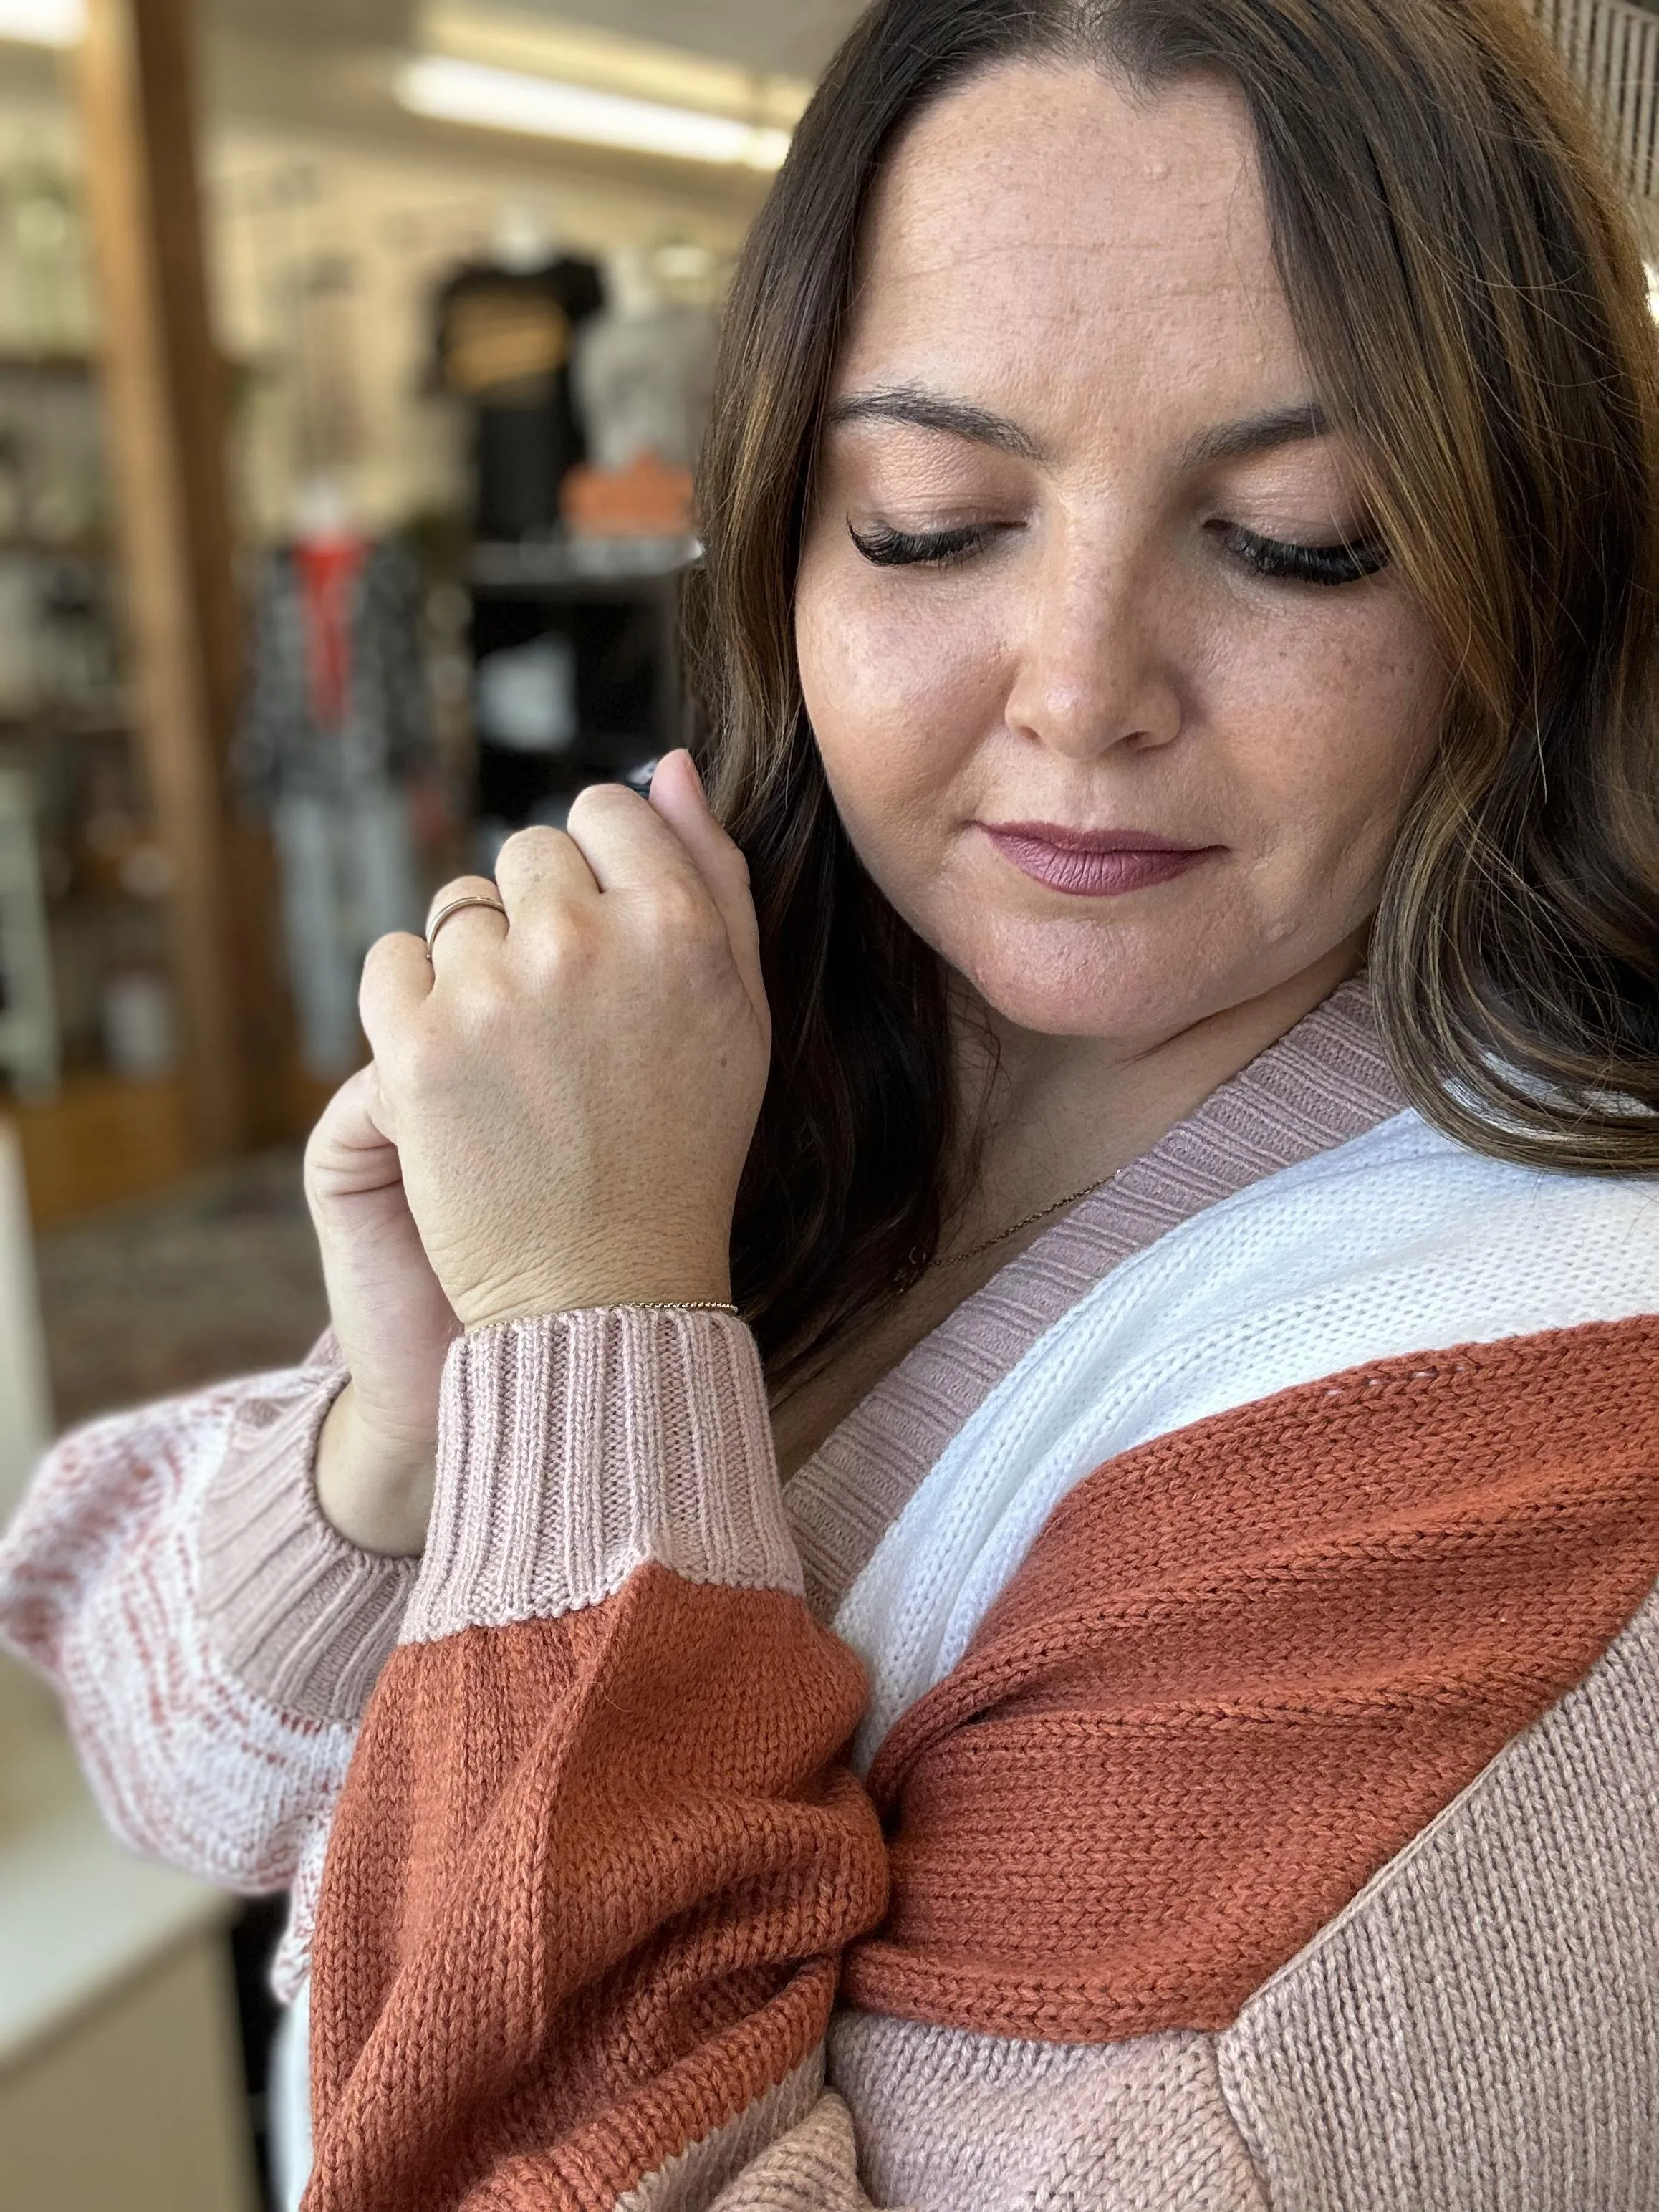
{"points": [[378, 1456], [572, 1089]]}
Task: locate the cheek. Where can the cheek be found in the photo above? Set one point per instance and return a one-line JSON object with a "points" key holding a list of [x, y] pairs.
{"points": [[1333, 731], [898, 696]]}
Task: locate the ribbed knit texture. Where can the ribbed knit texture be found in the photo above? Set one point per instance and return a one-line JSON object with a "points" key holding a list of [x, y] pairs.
{"points": [[286, 1602], [596, 1861], [207, 1749], [787, 2112], [592, 1872], [574, 1447], [814, 2168], [1397, 1242], [102, 1589]]}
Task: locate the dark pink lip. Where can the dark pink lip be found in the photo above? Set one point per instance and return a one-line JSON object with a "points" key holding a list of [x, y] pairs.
{"points": [[1092, 863]]}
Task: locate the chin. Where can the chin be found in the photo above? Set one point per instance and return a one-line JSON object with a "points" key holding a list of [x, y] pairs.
{"points": [[1060, 979]]}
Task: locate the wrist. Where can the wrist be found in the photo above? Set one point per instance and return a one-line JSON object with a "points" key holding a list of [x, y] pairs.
{"points": [[374, 1486], [658, 1282]]}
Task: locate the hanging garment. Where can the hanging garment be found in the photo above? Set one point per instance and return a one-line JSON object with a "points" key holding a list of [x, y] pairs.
{"points": [[334, 726], [644, 383], [503, 342], [336, 697], [349, 876]]}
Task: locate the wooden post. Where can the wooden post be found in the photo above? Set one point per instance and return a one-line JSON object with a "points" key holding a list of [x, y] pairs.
{"points": [[164, 386]]}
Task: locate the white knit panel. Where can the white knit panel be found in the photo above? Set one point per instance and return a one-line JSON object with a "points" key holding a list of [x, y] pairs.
{"points": [[1398, 1241], [100, 1588]]}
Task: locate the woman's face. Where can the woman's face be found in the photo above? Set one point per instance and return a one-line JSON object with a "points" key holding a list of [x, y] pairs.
{"points": [[1121, 759]]}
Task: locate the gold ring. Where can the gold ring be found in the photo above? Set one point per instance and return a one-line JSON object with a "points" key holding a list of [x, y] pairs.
{"points": [[472, 898]]}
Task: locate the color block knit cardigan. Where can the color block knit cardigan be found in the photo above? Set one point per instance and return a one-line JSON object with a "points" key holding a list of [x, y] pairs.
{"points": [[1191, 1739]]}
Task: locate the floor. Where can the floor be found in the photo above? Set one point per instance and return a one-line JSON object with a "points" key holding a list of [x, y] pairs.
{"points": [[216, 1277]]}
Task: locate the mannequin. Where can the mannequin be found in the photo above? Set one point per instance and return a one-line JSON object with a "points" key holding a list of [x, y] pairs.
{"points": [[644, 369]]}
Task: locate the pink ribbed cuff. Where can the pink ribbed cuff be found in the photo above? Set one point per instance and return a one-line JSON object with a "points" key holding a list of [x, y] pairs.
{"points": [[302, 1617], [573, 1447]]}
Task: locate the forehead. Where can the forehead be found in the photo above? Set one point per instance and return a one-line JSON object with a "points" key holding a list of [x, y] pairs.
{"points": [[1042, 232]]}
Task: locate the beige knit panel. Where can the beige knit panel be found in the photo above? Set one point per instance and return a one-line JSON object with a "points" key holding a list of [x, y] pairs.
{"points": [[691, 2178], [1479, 2030], [814, 2168], [962, 2122]]}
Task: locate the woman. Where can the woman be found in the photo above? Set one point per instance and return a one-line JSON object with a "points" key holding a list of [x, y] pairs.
{"points": [[1178, 627]]}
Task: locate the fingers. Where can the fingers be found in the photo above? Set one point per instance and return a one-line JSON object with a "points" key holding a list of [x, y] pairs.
{"points": [[616, 844], [396, 983], [467, 926], [621, 843], [676, 794], [630, 845], [537, 865], [349, 1152], [347, 1123]]}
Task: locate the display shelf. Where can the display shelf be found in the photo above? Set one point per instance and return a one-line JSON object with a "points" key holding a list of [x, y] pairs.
{"points": [[48, 549], [14, 362], [562, 563], [57, 721], [101, 1139]]}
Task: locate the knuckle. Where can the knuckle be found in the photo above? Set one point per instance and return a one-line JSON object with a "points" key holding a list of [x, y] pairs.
{"points": [[384, 949], [564, 949], [461, 887], [600, 798], [421, 1060], [526, 854], [682, 919]]}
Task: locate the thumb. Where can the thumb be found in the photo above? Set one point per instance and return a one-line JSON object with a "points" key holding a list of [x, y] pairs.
{"points": [[350, 1151]]}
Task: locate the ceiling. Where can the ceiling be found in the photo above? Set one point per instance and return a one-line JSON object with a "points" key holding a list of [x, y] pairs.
{"points": [[328, 66], [793, 36]]}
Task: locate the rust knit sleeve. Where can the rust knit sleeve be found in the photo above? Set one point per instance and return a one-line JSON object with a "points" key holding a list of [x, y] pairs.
{"points": [[595, 1861]]}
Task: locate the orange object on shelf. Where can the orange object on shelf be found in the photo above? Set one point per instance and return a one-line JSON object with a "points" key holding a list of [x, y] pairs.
{"points": [[647, 499]]}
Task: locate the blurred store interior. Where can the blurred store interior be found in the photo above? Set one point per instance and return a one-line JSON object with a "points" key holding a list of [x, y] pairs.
{"points": [[353, 359], [353, 356]]}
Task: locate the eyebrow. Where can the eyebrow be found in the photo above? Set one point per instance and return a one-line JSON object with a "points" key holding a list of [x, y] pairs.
{"points": [[1257, 433], [934, 410], [959, 418]]}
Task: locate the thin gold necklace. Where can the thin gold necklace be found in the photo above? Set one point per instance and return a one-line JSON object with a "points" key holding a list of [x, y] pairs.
{"points": [[1025, 1221]]}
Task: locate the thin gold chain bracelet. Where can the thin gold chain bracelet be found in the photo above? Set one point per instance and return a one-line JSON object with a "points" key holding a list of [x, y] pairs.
{"points": [[682, 1305]]}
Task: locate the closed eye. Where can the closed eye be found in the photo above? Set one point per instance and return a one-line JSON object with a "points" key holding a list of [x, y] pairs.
{"points": [[1281, 559], [904, 549]]}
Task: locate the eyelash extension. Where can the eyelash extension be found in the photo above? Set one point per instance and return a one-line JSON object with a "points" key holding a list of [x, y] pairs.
{"points": [[1342, 563], [1345, 563], [905, 549]]}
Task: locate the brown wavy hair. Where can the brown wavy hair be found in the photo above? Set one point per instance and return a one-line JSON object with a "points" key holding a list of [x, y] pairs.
{"points": [[1469, 296]]}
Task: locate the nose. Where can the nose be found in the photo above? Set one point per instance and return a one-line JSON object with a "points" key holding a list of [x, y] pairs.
{"points": [[1098, 661]]}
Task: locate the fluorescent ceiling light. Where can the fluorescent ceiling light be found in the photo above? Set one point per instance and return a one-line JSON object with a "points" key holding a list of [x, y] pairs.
{"points": [[506, 99], [42, 22], [505, 37]]}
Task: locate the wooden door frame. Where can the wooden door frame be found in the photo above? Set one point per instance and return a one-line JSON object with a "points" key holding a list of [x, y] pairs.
{"points": [[165, 390]]}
